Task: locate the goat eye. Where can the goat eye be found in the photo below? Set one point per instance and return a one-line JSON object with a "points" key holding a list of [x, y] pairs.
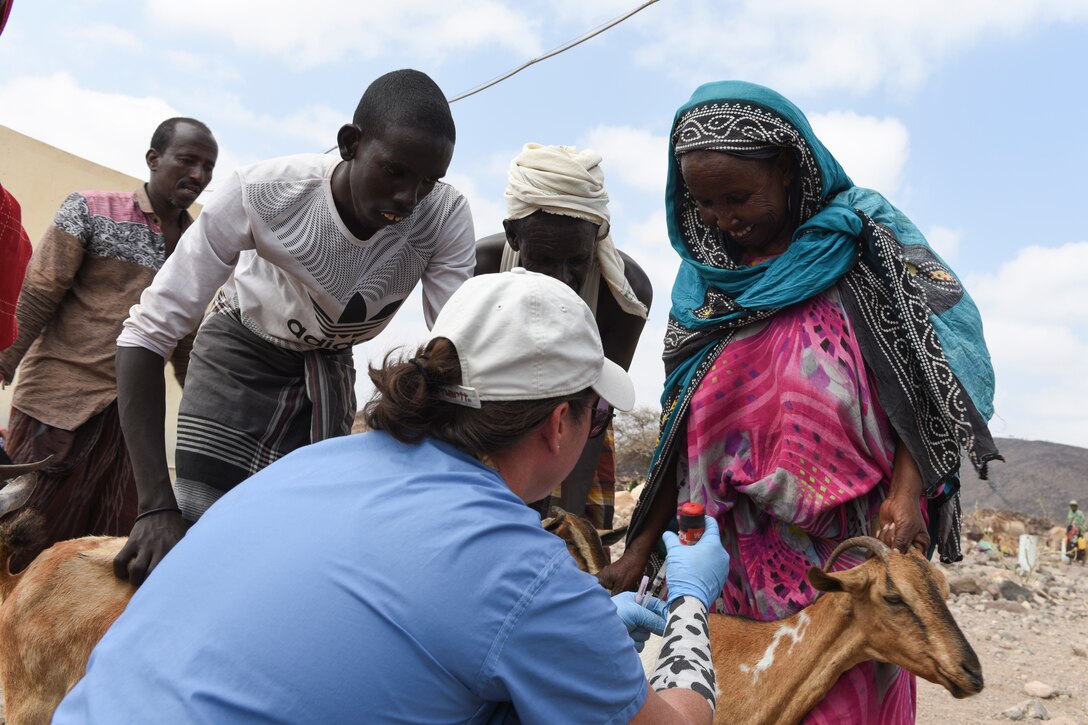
{"points": [[894, 600]]}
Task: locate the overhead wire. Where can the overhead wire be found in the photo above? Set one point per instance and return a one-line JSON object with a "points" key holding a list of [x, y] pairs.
{"points": [[588, 35], [552, 53]]}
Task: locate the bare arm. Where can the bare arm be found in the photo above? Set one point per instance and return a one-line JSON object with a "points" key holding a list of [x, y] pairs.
{"points": [[141, 402], [620, 331], [625, 573], [489, 253], [452, 263], [901, 522], [50, 274], [180, 357]]}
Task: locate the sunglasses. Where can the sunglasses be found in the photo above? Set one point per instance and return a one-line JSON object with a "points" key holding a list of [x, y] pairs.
{"points": [[602, 415]]}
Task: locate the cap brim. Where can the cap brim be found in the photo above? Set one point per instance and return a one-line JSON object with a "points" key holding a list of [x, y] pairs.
{"points": [[615, 386]]}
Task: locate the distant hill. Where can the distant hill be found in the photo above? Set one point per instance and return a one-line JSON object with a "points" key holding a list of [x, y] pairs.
{"points": [[1037, 478]]}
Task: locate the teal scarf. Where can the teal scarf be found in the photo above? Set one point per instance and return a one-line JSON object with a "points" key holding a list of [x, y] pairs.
{"points": [[846, 236]]}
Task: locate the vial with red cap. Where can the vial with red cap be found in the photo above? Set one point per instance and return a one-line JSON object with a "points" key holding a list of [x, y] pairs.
{"points": [[690, 516]]}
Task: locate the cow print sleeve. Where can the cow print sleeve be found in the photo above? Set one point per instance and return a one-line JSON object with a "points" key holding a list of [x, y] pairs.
{"points": [[685, 660]]}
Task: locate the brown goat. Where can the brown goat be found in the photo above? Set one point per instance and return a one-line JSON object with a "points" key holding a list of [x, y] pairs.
{"points": [[53, 613], [890, 608]]}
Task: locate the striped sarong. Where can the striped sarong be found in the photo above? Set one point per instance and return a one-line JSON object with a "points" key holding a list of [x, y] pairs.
{"points": [[248, 403]]}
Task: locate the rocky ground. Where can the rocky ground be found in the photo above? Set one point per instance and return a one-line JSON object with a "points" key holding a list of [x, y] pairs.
{"points": [[1030, 633]]}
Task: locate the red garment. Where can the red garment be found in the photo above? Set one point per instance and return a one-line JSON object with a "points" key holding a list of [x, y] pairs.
{"points": [[14, 254], [4, 13]]}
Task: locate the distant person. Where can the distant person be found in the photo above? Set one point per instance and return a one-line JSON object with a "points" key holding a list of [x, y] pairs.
{"points": [[101, 252], [397, 576], [1074, 532], [313, 255], [1074, 517], [557, 223]]}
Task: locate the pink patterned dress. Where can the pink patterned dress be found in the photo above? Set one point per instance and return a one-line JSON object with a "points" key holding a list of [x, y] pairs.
{"points": [[789, 449]]}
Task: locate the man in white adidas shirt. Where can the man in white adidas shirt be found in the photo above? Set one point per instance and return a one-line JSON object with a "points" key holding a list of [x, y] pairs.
{"points": [[313, 255]]}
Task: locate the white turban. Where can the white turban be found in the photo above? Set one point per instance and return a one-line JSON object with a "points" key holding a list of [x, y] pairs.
{"points": [[563, 180]]}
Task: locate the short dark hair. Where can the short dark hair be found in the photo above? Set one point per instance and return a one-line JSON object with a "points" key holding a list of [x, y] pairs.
{"points": [[404, 98], [405, 404], [164, 134]]}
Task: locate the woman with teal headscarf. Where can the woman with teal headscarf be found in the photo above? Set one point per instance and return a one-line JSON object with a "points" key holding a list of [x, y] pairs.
{"points": [[826, 372]]}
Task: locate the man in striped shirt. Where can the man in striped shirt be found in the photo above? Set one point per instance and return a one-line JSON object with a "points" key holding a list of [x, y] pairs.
{"points": [[91, 265]]}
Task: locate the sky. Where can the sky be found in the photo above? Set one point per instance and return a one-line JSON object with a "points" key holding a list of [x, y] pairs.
{"points": [[969, 115]]}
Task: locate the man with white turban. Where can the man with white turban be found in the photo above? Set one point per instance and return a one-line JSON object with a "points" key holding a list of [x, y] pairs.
{"points": [[557, 223]]}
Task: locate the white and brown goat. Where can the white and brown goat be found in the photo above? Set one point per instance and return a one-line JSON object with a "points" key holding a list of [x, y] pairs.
{"points": [[890, 608], [53, 613]]}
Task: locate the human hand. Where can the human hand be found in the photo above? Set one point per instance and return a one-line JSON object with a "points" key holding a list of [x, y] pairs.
{"points": [[151, 539], [697, 570], [623, 574], [641, 620], [902, 525]]}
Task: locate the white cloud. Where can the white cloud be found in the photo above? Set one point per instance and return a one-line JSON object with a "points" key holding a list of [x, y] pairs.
{"points": [[1035, 312], [812, 46], [647, 241], [306, 130], [633, 156], [487, 214], [946, 242], [104, 37], [873, 151], [114, 128], [311, 34], [111, 129]]}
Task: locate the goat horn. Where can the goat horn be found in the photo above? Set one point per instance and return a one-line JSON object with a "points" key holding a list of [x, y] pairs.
{"points": [[17, 469], [875, 547]]}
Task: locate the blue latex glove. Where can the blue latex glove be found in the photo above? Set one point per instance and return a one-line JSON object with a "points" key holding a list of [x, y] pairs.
{"points": [[697, 570], [641, 620]]}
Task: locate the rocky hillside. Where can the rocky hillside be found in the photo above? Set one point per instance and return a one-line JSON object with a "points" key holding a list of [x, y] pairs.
{"points": [[1037, 478]]}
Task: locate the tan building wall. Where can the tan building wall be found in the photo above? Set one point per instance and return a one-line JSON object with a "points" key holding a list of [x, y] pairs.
{"points": [[40, 176]]}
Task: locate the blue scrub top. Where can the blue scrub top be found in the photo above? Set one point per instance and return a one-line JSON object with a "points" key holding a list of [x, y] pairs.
{"points": [[365, 580]]}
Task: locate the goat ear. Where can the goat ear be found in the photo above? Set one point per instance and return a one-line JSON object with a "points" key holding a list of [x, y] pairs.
{"points": [[824, 582]]}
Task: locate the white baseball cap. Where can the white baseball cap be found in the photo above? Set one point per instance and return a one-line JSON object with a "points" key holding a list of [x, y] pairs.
{"points": [[526, 336]]}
